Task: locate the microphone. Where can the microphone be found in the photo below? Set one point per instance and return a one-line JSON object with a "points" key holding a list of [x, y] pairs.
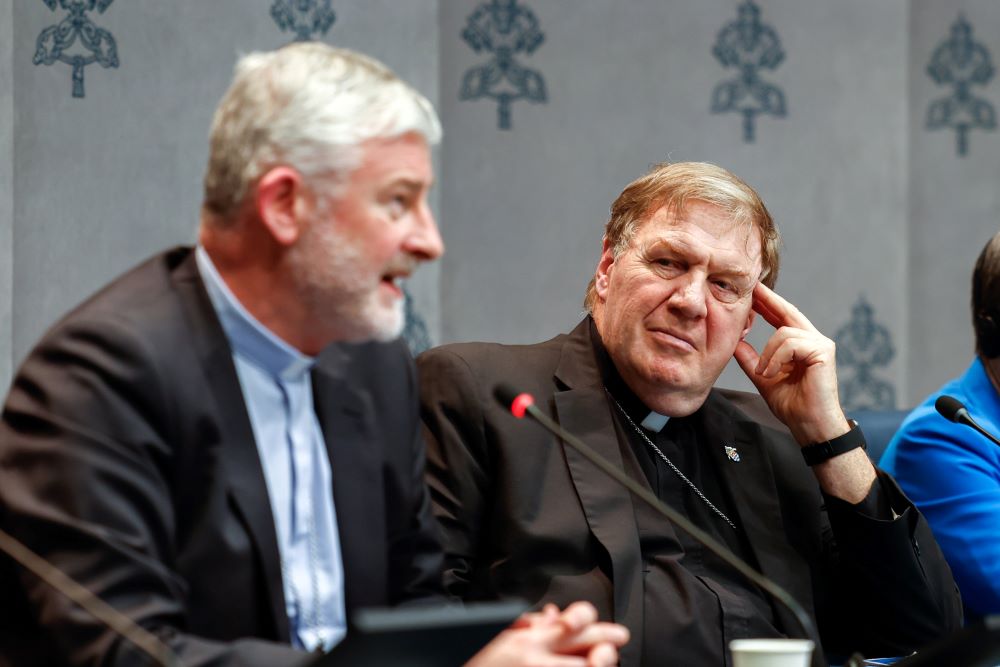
{"points": [[952, 409], [121, 624], [520, 404]]}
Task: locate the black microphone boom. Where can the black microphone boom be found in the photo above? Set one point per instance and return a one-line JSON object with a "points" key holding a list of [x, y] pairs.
{"points": [[952, 409], [121, 624], [518, 402]]}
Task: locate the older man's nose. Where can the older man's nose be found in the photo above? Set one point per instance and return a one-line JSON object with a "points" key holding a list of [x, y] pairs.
{"points": [[689, 296], [424, 239]]}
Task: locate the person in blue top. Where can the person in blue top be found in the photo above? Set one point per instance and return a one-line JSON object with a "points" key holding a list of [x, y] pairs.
{"points": [[951, 472]]}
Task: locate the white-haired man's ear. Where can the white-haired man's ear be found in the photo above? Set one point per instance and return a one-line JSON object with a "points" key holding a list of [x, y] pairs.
{"points": [[279, 200]]}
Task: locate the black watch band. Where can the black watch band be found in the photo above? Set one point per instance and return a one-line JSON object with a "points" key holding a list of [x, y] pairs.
{"points": [[824, 451]]}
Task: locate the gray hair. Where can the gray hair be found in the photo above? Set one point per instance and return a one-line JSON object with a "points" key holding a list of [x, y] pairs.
{"points": [[674, 185], [308, 106]]}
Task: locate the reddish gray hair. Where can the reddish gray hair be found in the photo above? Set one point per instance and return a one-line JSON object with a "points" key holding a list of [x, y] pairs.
{"points": [[674, 186]]}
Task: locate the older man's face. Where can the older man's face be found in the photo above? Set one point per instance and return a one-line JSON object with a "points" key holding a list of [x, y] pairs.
{"points": [[673, 306], [358, 246]]}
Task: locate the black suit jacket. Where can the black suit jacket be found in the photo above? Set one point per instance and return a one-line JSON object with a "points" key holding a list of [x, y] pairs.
{"points": [[524, 515], [127, 459]]}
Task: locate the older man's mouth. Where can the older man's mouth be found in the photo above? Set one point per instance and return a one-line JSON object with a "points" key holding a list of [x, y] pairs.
{"points": [[674, 339], [393, 282]]}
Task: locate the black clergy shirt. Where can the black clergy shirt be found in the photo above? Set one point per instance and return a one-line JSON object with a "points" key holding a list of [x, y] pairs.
{"points": [[694, 603]]}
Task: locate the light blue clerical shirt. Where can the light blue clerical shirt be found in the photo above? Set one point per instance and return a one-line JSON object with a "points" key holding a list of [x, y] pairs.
{"points": [[277, 390]]}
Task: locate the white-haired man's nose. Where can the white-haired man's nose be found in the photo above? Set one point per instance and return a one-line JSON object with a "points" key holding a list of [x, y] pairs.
{"points": [[424, 239]]}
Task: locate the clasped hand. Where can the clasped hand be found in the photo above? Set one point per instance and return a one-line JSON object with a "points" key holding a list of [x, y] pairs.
{"points": [[550, 638]]}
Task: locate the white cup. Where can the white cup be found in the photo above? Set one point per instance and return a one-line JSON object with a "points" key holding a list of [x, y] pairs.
{"points": [[771, 652]]}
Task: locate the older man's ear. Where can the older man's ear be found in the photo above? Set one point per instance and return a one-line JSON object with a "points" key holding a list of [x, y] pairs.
{"points": [[280, 200]]}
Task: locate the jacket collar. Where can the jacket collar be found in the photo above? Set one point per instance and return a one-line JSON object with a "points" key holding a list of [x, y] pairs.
{"points": [[581, 406], [347, 418], [238, 452]]}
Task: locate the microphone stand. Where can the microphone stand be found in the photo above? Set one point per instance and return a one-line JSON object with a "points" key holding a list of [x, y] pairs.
{"points": [[123, 625], [523, 403]]}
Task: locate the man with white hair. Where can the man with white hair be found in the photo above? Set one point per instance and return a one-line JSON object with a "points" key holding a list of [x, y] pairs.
{"points": [[223, 443]]}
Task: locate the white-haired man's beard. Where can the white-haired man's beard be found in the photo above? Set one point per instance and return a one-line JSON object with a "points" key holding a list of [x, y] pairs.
{"points": [[343, 292]]}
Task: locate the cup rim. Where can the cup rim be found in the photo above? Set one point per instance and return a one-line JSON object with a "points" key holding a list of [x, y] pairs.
{"points": [[772, 644]]}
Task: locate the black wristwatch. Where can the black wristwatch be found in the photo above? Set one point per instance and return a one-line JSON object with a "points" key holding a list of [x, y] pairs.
{"points": [[819, 452]]}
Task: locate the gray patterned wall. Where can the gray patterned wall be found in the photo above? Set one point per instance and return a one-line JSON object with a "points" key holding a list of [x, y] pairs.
{"points": [[6, 184], [550, 107], [631, 87], [105, 180], [954, 202]]}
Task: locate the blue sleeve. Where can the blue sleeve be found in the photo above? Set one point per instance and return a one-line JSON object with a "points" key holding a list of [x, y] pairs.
{"points": [[953, 475]]}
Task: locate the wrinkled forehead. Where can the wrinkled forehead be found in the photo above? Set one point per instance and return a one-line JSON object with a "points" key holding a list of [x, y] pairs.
{"points": [[704, 225]]}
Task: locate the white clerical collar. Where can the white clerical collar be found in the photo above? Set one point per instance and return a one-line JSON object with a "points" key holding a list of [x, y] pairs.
{"points": [[655, 422]]}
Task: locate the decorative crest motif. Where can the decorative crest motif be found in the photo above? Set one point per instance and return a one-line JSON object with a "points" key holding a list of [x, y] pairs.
{"points": [[749, 46], [733, 455], [961, 62], [415, 332], [306, 18], [96, 45], [862, 346], [505, 29]]}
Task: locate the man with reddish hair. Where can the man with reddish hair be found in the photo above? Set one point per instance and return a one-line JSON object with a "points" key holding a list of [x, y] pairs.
{"points": [[688, 261]]}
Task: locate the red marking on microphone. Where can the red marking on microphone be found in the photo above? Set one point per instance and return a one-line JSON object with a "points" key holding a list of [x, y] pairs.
{"points": [[520, 404]]}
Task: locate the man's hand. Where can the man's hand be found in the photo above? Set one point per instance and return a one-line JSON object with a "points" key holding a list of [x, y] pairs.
{"points": [[797, 376], [550, 638], [796, 373]]}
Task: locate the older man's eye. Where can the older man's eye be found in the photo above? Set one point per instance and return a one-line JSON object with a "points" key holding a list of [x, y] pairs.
{"points": [[725, 285], [397, 206], [667, 264], [727, 291]]}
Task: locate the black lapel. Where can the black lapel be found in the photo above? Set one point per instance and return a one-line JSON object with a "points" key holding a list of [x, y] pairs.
{"points": [[583, 410], [346, 416], [755, 498], [240, 460]]}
